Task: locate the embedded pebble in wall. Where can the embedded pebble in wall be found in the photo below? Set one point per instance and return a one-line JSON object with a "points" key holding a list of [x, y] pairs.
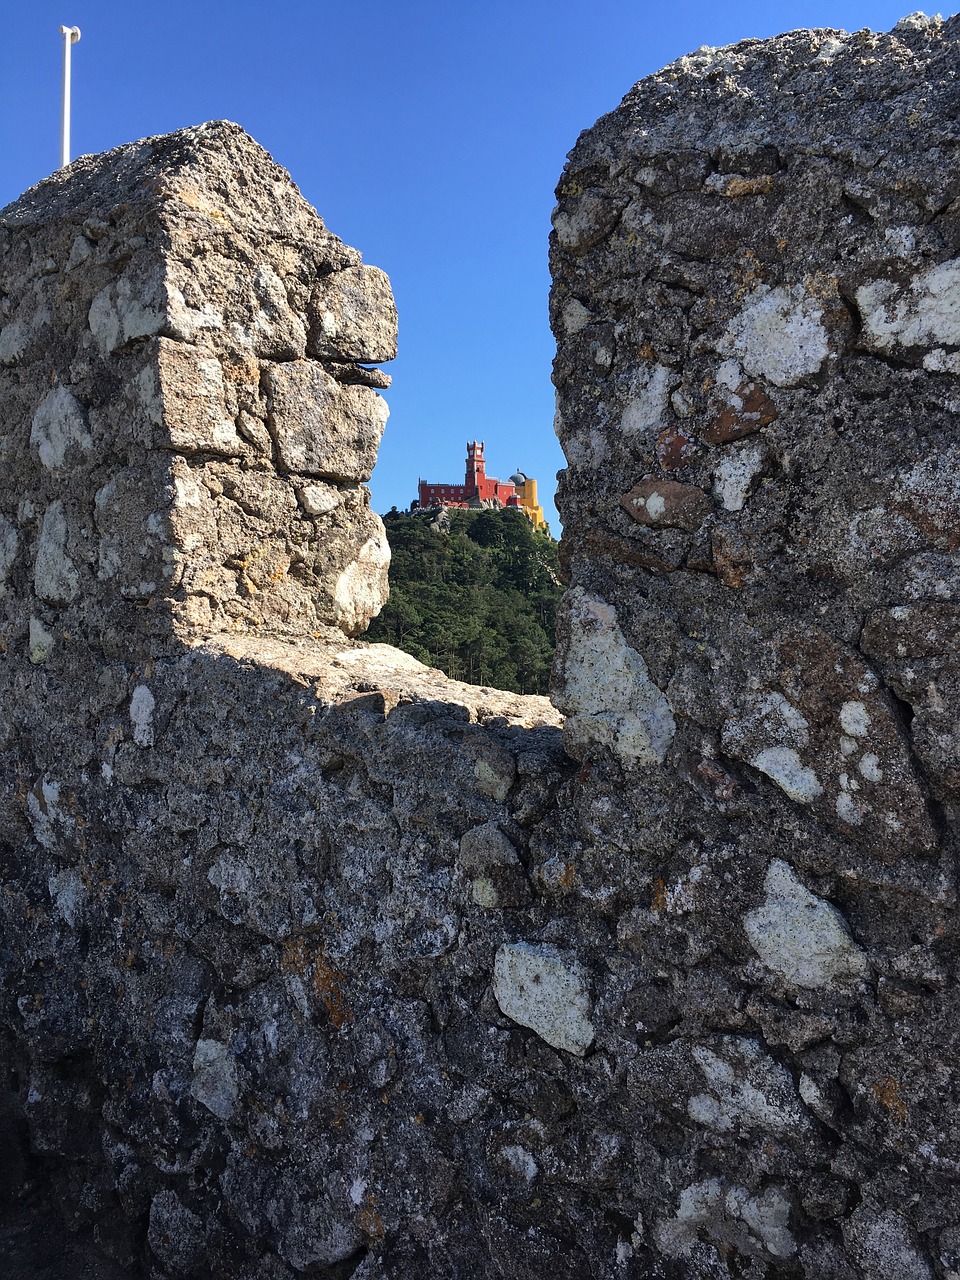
{"points": [[319, 499], [747, 1088], [128, 309], [607, 693], [735, 475], [755, 1225], [667, 504], [647, 389], [922, 313], [799, 936], [541, 988], [779, 335], [362, 586], [792, 776], [854, 719], [55, 577], [41, 641], [142, 705], [59, 426], [215, 1078], [14, 338]]}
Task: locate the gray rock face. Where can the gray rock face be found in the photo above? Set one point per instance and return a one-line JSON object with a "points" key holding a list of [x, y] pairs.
{"points": [[167, 405], [755, 298], [316, 963]]}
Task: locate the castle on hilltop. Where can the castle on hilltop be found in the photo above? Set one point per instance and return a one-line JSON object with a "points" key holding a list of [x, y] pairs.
{"points": [[480, 490]]}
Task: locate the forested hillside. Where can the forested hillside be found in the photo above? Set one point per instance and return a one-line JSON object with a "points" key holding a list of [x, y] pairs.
{"points": [[478, 602]]}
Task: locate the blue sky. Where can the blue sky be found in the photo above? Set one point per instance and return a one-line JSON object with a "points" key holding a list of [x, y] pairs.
{"points": [[428, 133]]}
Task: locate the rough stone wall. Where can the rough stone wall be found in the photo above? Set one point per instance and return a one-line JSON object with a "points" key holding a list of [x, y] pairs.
{"points": [[317, 963], [255, 875], [757, 305], [188, 418]]}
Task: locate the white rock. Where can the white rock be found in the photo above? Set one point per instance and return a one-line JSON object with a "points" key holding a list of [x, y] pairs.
{"points": [[729, 375], [830, 49], [142, 704], [799, 936], [748, 1089], [753, 1224], [41, 642], [854, 719], [230, 873], [939, 361], [126, 310], [779, 335], [538, 987], [186, 322], [919, 21], [607, 693], [67, 891], [44, 812], [924, 313], [788, 771], [484, 892], [734, 475], [55, 577], [361, 590], [647, 403], [214, 1078], [59, 425], [575, 317], [187, 492], [869, 767], [521, 1162], [848, 810], [13, 341], [276, 326], [146, 384], [319, 499]]}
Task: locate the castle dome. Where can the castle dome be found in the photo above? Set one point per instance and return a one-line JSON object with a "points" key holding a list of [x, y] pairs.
{"points": [[518, 478]]}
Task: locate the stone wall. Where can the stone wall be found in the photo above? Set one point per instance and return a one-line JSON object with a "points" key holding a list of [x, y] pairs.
{"points": [[189, 415], [757, 305], [317, 963]]}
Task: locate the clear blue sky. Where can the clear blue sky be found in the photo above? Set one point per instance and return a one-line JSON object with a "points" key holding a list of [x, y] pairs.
{"points": [[428, 133]]}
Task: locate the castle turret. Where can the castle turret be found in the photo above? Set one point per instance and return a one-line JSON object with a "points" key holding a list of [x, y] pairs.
{"points": [[476, 471]]}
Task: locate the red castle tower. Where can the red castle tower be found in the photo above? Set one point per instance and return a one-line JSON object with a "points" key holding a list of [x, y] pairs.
{"points": [[480, 490]]}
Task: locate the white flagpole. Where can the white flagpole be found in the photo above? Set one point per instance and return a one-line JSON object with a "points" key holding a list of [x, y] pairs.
{"points": [[70, 37]]}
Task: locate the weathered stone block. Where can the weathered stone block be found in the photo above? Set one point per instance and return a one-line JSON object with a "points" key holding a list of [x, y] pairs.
{"points": [[352, 316], [167, 387], [321, 427]]}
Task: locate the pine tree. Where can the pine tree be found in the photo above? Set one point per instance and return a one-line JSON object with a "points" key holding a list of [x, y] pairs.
{"points": [[479, 602]]}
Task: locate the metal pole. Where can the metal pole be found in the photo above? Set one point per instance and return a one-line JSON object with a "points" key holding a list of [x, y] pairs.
{"points": [[70, 37]]}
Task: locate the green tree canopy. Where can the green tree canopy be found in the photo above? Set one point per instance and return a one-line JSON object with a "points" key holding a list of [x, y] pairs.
{"points": [[479, 602]]}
